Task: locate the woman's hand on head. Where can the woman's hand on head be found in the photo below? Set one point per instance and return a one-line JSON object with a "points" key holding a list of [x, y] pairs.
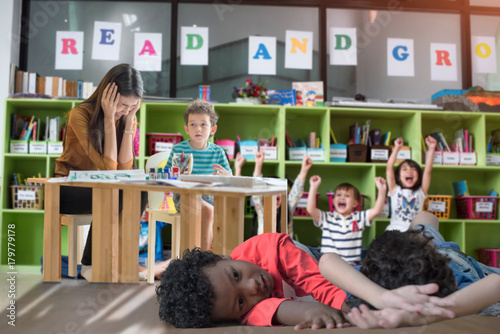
{"points": [[109, 100], [130, 116]]}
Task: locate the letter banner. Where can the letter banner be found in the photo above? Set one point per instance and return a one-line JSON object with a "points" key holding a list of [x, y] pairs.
{"points": [[69, 50], [107, 39], [343, 46], [299, 49], [483, 54], [262, 55], [147, 52], [400, 57], [444, 62], [194, 46]]}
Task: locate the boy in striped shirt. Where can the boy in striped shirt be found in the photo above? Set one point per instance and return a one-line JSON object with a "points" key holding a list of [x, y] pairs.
{"points": [[343, 228], [208, 158]]}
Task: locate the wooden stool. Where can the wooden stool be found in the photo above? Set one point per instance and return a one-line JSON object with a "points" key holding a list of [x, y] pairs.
{"points": [[173, 219], [76, 241]]}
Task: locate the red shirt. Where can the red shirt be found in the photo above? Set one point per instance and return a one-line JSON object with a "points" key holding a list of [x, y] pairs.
{"points": [[295, 273]]}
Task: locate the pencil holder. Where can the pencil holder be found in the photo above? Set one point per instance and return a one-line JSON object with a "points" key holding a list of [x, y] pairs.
{"points": [[357, 153], [338, 152], [228, 146], [184, 161], [379, 153], [27, 197], [298, 152]]}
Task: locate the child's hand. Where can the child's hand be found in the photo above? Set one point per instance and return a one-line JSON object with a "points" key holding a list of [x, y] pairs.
{"points": [[219, 170], [386, 318], [319, 315], [431, 142], [315, 181], [259, 158], [306, 164], [398, 143], [381, 184], [239, 161]]}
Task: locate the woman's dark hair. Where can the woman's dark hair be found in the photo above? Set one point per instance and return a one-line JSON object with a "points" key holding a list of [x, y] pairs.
{"points": [[397, 259], [412, 164], [185, 293], [129, 83]]}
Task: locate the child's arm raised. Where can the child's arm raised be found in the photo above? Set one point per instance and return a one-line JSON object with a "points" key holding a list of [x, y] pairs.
{"points": [[314, 183], [259, 161], [239, 161], [379, 204], [306, 165], [429, 160], [308, 315], [411, 298], [389, 169]]}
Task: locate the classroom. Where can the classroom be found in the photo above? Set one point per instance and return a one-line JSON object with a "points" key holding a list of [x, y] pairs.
{"points": [[309, 113]]}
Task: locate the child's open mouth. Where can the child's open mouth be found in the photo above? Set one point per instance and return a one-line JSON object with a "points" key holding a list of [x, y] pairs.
{"points": [[342, 206], [409, 179]]}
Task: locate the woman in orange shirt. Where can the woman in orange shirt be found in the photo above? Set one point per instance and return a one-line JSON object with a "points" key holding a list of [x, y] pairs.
{"points": [[99, 136]]}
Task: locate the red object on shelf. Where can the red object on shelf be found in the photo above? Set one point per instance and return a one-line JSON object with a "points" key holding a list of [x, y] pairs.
{"points": [[476, 207], [359, 207], [153, 138], [301, 209], [489, 256]]}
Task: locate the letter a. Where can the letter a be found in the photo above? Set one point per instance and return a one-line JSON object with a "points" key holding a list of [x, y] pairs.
{"points": [[148, 47], [262, 51], [69, 46], [296, 44]]}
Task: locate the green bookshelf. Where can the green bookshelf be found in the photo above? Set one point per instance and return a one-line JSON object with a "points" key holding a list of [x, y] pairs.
{"points": [[254, 122]]}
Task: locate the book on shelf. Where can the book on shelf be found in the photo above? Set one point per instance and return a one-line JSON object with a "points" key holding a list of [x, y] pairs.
{"points": [[375, 136], [309, 93], [289, 140], [32, 82], [19, 125], [282, 97], [12, 78], [312, 140], [460, 188]]}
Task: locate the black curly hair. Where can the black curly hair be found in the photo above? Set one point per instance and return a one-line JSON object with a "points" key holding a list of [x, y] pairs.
{"points": [[185, 293], [412, 164], [397, 259]]}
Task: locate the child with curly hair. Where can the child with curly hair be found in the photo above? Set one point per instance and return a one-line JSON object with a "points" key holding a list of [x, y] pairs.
{"points": [[423, 262], [267, 281], [408, 185]]}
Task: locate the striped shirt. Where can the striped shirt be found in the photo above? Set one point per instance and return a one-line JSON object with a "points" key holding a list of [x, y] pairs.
{"points": [[343, 235], [203, 160]]}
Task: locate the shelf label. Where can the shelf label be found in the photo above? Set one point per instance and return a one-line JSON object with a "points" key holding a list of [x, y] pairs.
{"points": [[229, 149], [468, 158], [438, 158], [484, 206], [21, 147], [379, 154], [338, 153], [163, 147], [248, 149], [492, 159], [38, 147], [297, 153], [270, 152], [26, 195], [316, 154], [451, 158], [404, 155], [302, 203], [54, 148], [436, 206]]}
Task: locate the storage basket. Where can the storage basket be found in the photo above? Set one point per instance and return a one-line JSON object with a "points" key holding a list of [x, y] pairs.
{"points": [[476, 207], [489, 256], [301, 209], [438, 205], [359, 207], [27, 197], [357, 153], [153, 138]]}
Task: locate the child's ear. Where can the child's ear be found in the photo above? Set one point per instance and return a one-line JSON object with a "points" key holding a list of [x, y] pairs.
{"points": [[212, 131], [186, 129]]}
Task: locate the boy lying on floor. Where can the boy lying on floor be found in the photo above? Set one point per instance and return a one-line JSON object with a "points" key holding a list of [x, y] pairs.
{"points": [[269, 281], [417, 256]]}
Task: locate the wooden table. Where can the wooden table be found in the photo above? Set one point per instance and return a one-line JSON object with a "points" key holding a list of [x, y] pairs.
{"points": [[115, 237]]}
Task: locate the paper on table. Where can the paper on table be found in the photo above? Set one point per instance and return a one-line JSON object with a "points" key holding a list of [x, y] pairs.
{"points": [[106, 176], [57, 179], [189, 184], [272, 181]]}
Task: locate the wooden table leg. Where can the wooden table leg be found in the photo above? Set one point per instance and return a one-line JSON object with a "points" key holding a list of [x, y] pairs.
{"points": [[51, 234], [269, 213], [190, 221], [284, 213], [105, 235], [129, 237], [228, 223]]}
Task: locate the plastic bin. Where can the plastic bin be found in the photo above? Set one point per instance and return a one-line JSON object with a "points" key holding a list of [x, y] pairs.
{"points": [[439, 205], [154, 138], [476, 207], [27, 197], [357, 153], [489, 256], [359, 207], [301, 209], [228, 146]]}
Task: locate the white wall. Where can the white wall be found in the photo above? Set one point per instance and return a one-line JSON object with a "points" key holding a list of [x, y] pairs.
{"points": [[10, 24]]}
